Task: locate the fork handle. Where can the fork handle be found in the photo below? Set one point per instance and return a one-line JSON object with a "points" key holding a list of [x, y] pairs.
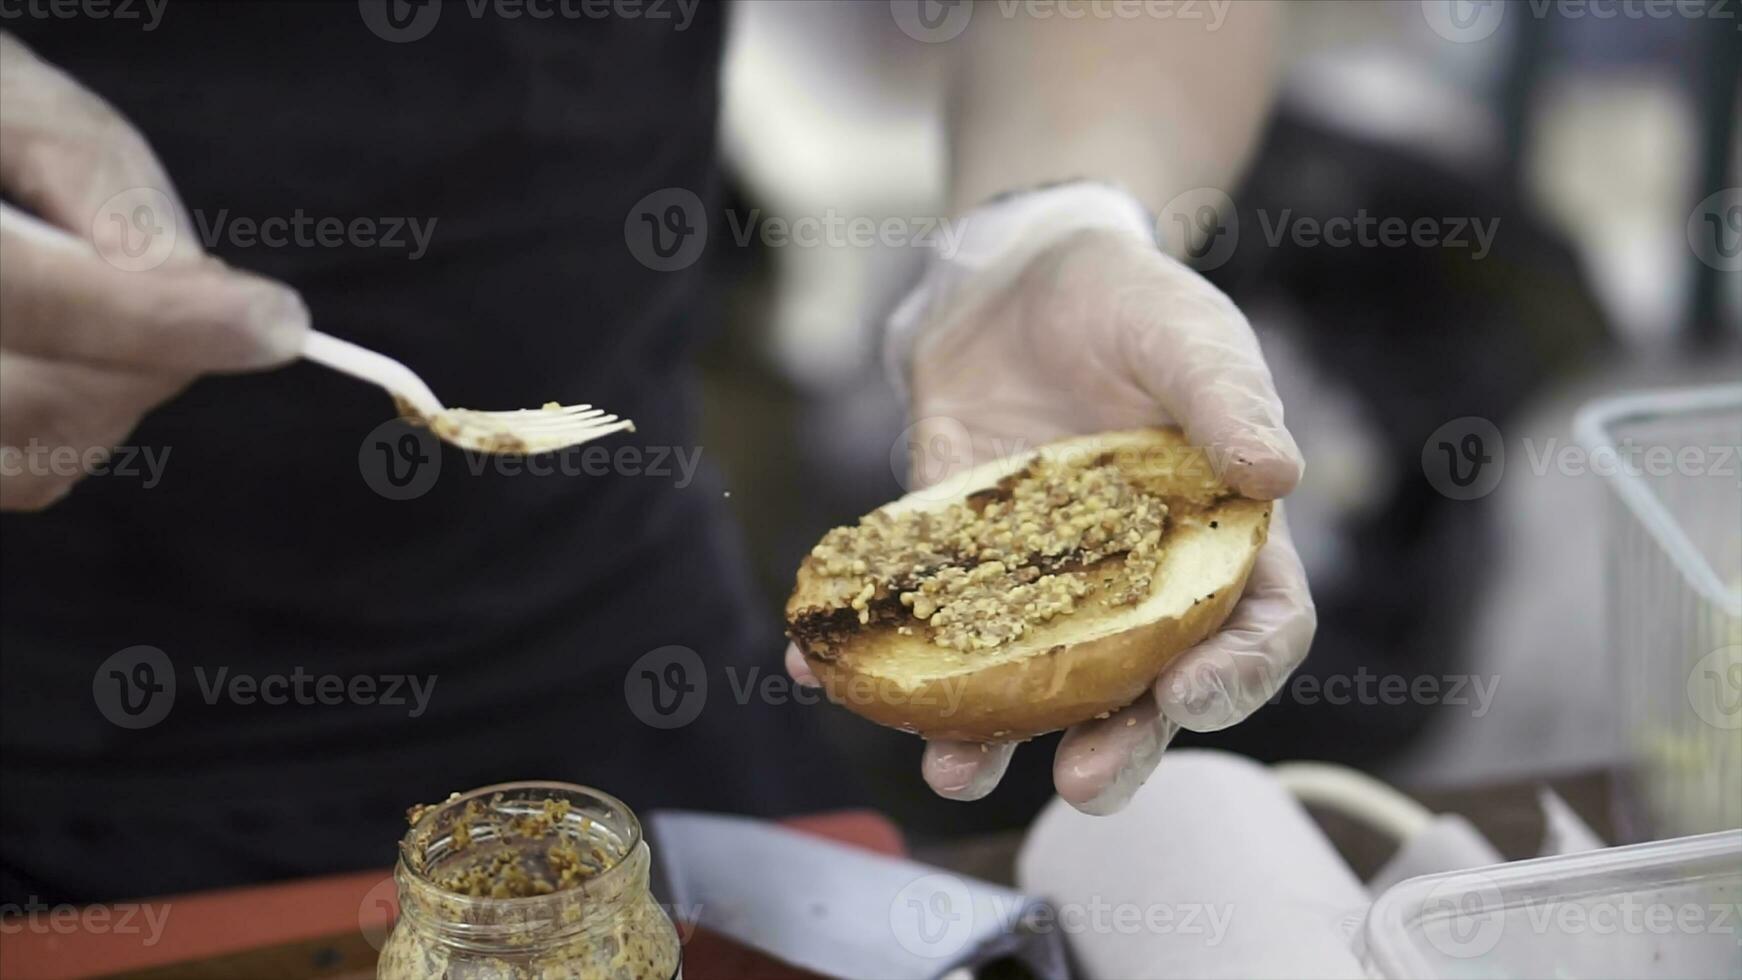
{"points": [[367, 365]]}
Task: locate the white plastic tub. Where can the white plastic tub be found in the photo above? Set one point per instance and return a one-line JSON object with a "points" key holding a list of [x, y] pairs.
{"points": [[1664, 909], [1674, 616]]}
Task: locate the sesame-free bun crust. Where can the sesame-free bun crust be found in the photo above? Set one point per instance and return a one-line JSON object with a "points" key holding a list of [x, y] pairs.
{"points": [[1070, 669]]}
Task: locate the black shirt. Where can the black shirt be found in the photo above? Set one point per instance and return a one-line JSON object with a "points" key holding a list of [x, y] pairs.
{"points": [[516, 147]]}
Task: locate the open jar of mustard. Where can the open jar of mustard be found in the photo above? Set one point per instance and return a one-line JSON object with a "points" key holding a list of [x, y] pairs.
{"points": [[524, 880]]}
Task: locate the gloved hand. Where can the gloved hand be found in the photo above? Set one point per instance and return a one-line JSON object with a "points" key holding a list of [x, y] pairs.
{"points": [[1067, 319], [99, 326]]}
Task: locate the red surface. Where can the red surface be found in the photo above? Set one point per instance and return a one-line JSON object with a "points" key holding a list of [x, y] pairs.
{"points": [[76, 943]]}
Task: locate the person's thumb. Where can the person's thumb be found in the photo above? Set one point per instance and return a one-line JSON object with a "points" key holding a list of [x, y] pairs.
{"points": [[1192, 350]]}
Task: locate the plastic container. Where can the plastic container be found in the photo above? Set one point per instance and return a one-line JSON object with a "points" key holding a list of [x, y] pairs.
{"points": [[1663, 909], [1674, 555]]}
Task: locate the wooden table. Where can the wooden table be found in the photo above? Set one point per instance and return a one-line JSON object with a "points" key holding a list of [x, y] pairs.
{"points": [[332, 927]]}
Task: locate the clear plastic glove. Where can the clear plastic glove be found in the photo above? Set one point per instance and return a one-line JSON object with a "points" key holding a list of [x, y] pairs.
{"points": [[1085, 327], [98, 328]]}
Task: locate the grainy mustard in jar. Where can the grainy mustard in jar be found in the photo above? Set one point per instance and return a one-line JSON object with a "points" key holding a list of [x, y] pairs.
{"points": [[527, 880]]}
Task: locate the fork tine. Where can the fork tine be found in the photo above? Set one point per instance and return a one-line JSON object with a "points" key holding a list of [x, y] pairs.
{"points": [[535, 418], [541, 425], [529, 416], [487, 420], [519, 440], [531, 413], [564, 438]]}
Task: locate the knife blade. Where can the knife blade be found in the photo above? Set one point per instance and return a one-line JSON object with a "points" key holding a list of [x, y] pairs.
{"points": [[840, 910]]}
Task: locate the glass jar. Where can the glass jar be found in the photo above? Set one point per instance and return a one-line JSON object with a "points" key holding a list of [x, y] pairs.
{"points": [[477, 897]]}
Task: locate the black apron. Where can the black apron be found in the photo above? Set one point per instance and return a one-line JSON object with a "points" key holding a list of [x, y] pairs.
{"points": [[270, 560]]}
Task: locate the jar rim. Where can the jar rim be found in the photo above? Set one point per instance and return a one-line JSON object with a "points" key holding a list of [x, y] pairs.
{"points": [[632, 838]]}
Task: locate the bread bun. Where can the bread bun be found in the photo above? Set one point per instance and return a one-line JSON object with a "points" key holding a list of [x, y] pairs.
{"points": [[878, 659]]}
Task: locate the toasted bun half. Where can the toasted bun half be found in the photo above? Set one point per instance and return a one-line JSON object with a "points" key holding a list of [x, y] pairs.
{"points": [[1070, 669]]}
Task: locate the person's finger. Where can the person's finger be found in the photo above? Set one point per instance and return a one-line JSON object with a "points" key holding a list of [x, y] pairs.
{"points": [[68, 156], [798, 669], [1192, 350], [56, 417], [1101, 764], [1228, 676], [66, 303], [965, 770], [954, 770]]}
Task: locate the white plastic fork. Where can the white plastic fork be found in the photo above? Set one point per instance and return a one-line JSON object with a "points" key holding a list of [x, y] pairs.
{"points": [[522, 431]]}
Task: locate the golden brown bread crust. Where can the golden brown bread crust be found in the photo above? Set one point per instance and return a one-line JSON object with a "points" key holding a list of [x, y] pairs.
{"points": [[1070, 670]]}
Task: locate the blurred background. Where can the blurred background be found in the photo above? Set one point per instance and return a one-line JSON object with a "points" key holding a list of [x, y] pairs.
{"points": [[1597, 144]]}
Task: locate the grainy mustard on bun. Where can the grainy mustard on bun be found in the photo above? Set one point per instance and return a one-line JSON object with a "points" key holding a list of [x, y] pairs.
{"points": [[1029, 593]]}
